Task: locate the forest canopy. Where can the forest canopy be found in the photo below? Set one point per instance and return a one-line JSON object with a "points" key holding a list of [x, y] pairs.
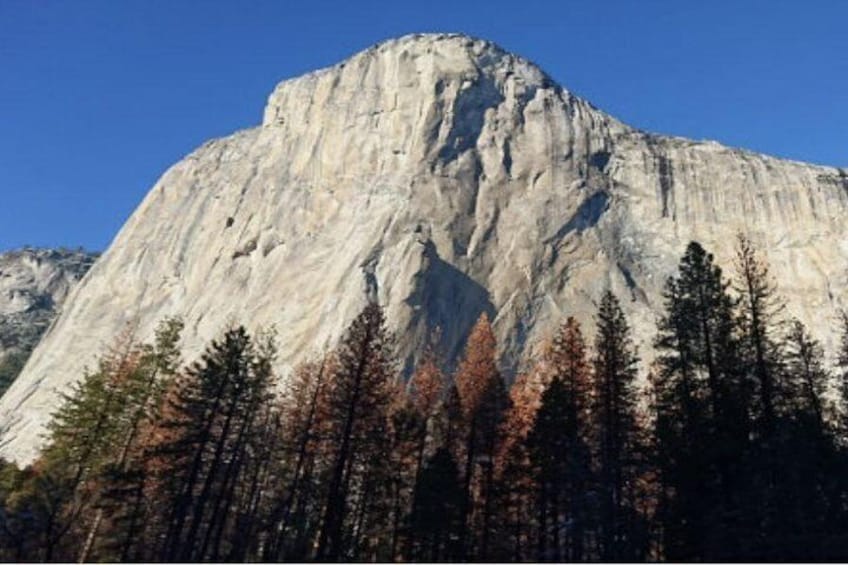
{"points": [[733, 446]]}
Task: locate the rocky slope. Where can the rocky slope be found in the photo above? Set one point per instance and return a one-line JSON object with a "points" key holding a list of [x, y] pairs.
{"points": [[33, 285], [443, 177]]}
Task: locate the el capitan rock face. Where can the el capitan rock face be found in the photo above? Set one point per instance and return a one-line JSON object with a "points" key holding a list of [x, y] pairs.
{"points": [[444, 177]]}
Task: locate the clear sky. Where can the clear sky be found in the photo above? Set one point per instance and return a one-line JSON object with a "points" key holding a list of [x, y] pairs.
{"points": [[97, 99]]}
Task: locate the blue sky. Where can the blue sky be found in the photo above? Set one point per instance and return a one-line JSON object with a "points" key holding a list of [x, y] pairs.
{"points": [[97, 99]]}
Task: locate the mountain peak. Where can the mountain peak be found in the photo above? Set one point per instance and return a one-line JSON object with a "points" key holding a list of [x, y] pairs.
{"points": [[439, 40], [447, 45], [426, 63]]}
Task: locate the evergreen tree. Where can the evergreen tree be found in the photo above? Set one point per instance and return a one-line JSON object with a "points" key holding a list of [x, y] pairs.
{"points": [[90, 433], [515, 485], [704, 312], [294, 505], [407, 429], [805, 365], [436, 518], [619, 442], [357, 411], [680, 436], [701, 408], [559, 443], [427, 389], [483, 400], [121, 478], [773, 433], [201, 446], [760, 320], [842, 377], [29, 499], [803, 480]]}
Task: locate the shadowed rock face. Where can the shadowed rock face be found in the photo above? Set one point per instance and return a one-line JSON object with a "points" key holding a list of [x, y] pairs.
{"points": [[33, 286], [443, 177]]}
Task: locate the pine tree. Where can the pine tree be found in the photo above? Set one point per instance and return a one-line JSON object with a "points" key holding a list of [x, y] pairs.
{"points": [[200, 445], [702, 404], [293, 512], [804, 479], [408, 431], [763, 358], [680, 420], [619, 441], [90, 432], [27, 500], [436, 518], [427, 389], [121, 478], [842, 377], [234, 514], [704, 315], [357, 409], [483, 401], [760, 319], [559, 444], [515, 485], [805, 365]]}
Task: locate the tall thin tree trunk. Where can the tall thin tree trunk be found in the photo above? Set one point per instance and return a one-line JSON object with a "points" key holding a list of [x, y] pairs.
{"points": [[487, 506], [122, 461], [179, 513], [135, 515], [303, 445], [464, 542], [89, 538], [329, 541], [555, 542], [199, 506], [231, 474], [542, 545], [395, 518]]}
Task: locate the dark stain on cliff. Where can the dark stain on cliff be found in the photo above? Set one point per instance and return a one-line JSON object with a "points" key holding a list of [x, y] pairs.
{"points": [[666, 175]]}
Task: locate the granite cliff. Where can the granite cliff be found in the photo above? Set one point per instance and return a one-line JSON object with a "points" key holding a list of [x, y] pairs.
{"points": [[443, 177], [33, 285]]}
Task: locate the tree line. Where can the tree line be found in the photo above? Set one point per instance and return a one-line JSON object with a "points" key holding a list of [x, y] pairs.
{"points": [[732, 446]]}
